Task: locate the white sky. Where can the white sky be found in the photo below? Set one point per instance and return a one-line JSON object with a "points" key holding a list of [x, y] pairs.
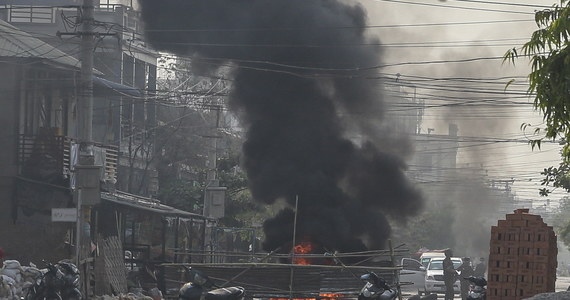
{"points": [[494, 33]]}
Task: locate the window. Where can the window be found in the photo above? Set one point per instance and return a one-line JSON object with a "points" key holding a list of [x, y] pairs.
{"points": [[30, 14], [409, 264]]}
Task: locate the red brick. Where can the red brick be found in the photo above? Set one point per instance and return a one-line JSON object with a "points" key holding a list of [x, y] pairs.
{"points": [[511, 258], [542, 251], [539, 287], [509, 271], [526, 272], [501, 250], [494, 277], [531, 217], [524, 285], [541, 258], [525, 265], [508, 292], [522, 292], [526, 251], [527, 235], [529, 258], [535, 224], [519, 223], [509, 279], [493, 292], [513, 217], [512, 236], [504, 223]]}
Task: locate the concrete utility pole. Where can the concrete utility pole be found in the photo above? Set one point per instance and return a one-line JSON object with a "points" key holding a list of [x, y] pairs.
{"points": [[85, 116], [87, 174]]}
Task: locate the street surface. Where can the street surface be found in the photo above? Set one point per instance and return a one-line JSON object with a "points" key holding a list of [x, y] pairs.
{"points": [[562, 283]]}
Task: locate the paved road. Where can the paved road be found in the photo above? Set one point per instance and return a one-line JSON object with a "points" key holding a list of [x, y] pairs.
{"points": [[562, 284]]}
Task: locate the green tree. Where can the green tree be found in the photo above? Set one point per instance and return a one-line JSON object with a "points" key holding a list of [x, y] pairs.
{"points": [[549, 81], [561, 221]]}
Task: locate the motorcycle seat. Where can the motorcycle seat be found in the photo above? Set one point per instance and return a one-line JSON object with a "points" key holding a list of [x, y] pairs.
{"points": [[229, 293]]}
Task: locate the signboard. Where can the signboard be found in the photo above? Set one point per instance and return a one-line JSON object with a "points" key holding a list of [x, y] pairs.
{"points": [[64, 214]]}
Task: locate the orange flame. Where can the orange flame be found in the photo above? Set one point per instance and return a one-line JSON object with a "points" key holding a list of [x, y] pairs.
{"points": [[307, 247], [322, 296], [302, 248]]}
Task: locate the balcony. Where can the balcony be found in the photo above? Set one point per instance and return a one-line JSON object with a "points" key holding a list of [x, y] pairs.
{"points": [[51, 159]]}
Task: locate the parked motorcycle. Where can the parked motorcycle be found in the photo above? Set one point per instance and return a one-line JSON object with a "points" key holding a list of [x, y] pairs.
{"points": [[60, 281], [200, 288], [477, 290], [376, 288]]}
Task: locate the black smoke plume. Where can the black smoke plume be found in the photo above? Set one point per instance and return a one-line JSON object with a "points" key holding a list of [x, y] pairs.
{"points": [[306, 90]]}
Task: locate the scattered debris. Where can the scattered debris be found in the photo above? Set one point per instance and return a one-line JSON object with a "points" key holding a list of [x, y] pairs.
{"points": [[15, 279]]}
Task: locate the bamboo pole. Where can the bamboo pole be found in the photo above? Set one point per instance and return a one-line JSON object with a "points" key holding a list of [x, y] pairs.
{"points": [[396, 271], [293, 249], [249, 268], [284, 266]]}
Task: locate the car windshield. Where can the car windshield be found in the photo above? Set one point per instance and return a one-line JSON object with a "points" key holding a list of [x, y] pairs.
{"points": [[438, 264]]}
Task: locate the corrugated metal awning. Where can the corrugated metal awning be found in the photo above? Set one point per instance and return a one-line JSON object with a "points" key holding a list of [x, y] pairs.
{"points": [[104, 87], [148, 204]]}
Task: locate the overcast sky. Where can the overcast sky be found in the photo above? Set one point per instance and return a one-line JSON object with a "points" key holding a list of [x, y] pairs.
{"points": [[434, 35]]}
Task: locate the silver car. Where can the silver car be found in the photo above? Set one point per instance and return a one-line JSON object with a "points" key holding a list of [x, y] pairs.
{"points": [[434, 276], [412, 276]]}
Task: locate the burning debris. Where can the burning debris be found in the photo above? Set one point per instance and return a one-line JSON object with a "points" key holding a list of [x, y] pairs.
{"points": [[304, 89]]}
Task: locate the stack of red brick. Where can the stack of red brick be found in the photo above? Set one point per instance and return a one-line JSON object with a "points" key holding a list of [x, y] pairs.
{"points": [[523, 257]]}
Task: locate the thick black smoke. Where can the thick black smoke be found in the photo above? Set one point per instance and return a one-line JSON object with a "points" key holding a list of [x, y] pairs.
{"points": [[301, 79]]}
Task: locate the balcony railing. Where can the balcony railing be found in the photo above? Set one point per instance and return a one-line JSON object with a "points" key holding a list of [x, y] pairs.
{"points": [[50, 157]]}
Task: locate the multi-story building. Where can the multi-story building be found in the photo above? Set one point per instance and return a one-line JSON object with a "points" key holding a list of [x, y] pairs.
{"points": [[125, 114], [39, 131]]}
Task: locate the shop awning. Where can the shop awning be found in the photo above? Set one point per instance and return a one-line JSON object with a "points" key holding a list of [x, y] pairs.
{"points": [[147, 204]]}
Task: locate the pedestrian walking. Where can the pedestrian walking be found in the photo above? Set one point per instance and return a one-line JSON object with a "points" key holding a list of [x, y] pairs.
{"points": [[480, 268], [449, 275], [465, 270]]}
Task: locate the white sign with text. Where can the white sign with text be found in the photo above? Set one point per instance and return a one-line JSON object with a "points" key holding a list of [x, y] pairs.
{"points": [[64, 214]]}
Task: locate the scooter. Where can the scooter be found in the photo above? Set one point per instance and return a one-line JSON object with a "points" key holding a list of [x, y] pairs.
{"points": [[198, 288], [59, 282], [70, 282], [477, 289], [376, 288]]}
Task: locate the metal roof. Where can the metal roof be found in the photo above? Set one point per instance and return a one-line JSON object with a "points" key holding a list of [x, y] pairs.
{"points": [[110, 88], [20, 44], [147, 204]]}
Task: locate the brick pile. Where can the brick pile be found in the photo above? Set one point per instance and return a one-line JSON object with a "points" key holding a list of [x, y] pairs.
{"points": [[523, 257]]}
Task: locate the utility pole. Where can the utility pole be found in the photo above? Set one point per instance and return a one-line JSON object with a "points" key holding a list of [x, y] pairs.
{"points": [[87, 185], [85, 116], [87, 173]]}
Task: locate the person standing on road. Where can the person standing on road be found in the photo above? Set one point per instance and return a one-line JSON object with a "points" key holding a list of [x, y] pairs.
{"points": [[466, 270], [481, 268], [449, 275]]}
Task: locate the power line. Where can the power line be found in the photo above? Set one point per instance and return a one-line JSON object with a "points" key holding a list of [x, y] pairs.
{"points": [[457, 7]]}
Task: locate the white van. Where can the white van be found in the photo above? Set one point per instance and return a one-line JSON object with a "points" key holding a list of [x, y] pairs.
{"points": [[427, 256]]}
